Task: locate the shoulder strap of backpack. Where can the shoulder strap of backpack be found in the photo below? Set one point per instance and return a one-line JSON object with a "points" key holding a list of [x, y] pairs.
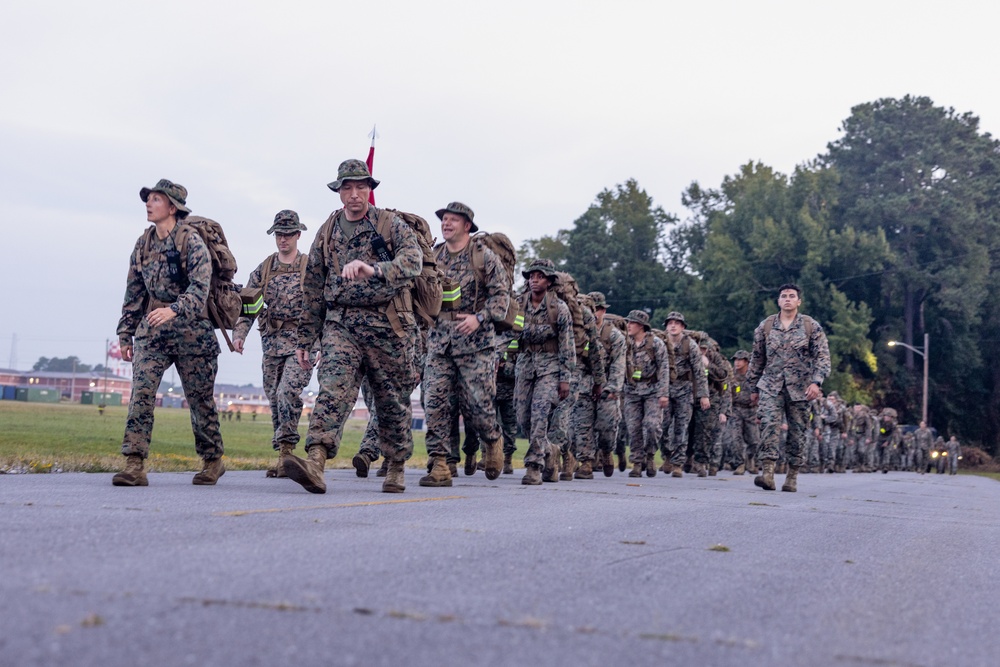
{"points": [[265, 275], [303, 263], [383, 226], [327, 238]]}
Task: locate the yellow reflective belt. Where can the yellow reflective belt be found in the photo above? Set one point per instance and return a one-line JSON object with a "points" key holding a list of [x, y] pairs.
{"points": [[452, 295], [255, 307], [519, 321], [738, 389], [637, 374], [513, 345]]}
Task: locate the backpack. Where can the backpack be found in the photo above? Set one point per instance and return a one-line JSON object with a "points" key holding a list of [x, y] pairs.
{"points": [[807, 324], [567, 290], [503, 248], [256, 295], [223, 305], [424, 297], [685, 351]]}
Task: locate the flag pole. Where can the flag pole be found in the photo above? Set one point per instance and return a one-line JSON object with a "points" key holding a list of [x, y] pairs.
{"points": [[371, 162]]}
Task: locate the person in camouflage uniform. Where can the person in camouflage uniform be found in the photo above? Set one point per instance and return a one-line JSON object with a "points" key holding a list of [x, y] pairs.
{"points": [[351, 298], [861, 439], [608, 404], [280, 276], [923, 439], [742, 424], [813, 434], [708, 423], [889, 441], [830, 420], [789, 362], [591, 382], [647, 393], [164, 321], [688, 383], [954, 454], [546, 362], [506, 351], [461, 364]]}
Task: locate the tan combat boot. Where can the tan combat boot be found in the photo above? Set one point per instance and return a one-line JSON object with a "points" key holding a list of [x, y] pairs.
{"points": [[740, 469], [585, 471], [622, 462], [439, 474], [285, 449], [790, 479], [452, 468], [362, 462], [607, 464], [678, 471], [713, 471], [701, 470], [394, 478], [210, 473], [508, 464], [470, 464], [752, 465], [383, 469], [766, 479], [134, 473], [666, 467], [493, 458], [532, 475], [550, 471], [568, 466], [308, 473], [651, 466], [636, 470]]}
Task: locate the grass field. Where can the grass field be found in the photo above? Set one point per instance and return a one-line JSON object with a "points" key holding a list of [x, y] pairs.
{"points": [[42, 437]]}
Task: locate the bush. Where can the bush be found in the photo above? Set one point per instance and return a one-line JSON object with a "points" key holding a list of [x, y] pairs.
{"points": [[974, 458]]}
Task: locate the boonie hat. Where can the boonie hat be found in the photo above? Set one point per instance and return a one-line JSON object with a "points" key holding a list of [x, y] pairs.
{"points": [[175, 192], [674, 315], [459, 208], [639, 317], [599, 300], [286, 222], [352, 170], [741, 354], [546, 266]]}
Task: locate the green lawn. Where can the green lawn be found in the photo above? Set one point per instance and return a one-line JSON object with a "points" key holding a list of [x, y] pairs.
{"points": [[43, 437]]}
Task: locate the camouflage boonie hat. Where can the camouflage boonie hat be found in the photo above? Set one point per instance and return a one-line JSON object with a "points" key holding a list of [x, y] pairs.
{"points": [[741, 354], [176, 193], [286, 222], [639, 317], [352, 170], [599, 300], [458, 208], [546, 266], [674, 315]]}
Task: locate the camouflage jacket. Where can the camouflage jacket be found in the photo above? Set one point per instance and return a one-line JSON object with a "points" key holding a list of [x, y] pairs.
{"points": [[356, 303], [533, 359], [613, 342], [923, 438], [719, 375], [149, 284], [593, 371], [860, 426], [492, 298], [788, 358], [648, 359], [889, 433], [280, 318], [507, 347], [687, 370], [740, 390]]}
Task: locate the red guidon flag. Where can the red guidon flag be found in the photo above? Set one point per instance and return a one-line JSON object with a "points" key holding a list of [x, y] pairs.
{"points": [[371, 163]]}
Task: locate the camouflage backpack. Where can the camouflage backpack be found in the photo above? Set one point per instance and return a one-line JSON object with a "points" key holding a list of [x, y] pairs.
{"points": [[567, 290], [424, 297], [224, 305], [503, 248]]}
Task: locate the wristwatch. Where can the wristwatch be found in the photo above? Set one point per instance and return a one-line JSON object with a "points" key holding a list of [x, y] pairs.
{"points": [[482, 320], [173, 307]]}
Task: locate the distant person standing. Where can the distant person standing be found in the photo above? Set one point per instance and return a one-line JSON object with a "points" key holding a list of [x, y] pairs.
{"points": [[954, 453], [164, 321], [280, 276], [923, 440], [789, 362], [647, 392]]}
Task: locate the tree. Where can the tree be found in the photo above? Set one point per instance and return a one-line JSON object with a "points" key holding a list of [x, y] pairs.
{"points": [[57, 365]]}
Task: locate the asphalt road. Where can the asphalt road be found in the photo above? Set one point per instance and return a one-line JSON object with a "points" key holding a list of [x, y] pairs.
{"points": [[853, 570]]}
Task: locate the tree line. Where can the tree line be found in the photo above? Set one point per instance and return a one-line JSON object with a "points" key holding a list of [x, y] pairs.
{"points": [[891, 233]]}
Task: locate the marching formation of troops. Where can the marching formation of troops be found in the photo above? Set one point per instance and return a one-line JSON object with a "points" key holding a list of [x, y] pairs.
{"points": [[583, 386]]}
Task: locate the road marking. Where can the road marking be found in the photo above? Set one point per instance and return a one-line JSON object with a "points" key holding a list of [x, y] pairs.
{"points": [[272, 510]]}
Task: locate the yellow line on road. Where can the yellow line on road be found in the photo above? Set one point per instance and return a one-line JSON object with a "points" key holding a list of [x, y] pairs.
{"points": [[338, 506]]}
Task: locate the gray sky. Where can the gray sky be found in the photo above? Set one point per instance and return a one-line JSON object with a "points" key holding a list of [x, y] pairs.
{"points": [[522, 110]]}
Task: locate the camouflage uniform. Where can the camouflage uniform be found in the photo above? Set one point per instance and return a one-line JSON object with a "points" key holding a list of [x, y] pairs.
{"points": [[889, 441], [707, 449], [688, 384], [461, 368], [647, 380], [609, 413], [954, 452], [187, 341], [923, 439], [357, 337], [782, 365], [813, 434], [742, 423], [830, 419], [860, 439], [506, 412], [284, 379], [592, 374], [546, 358]]}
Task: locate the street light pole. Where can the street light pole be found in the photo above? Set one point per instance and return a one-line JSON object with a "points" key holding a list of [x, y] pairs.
{"points": [[923, 352]]}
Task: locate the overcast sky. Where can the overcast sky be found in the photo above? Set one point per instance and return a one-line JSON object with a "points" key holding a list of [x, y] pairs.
{"points": [[525, 111]]}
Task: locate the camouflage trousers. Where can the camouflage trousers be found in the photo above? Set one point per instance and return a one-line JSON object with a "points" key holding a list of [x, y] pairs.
{"points": [[284, 381], [828, 446], [744, 434], [197, 375], [562, 433], [386, 361], [369, 441], [706, 431], [621, 441], [676, 429], [535, 401], [463, 384], [609, 415], [772, 411], [811, 453], [644, 421], [584, 421], [507, 415]]}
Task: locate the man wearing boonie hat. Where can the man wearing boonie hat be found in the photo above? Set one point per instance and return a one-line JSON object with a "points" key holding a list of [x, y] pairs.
{"points": [[164, 323], [708, 423], [687, 384], [609, 414], [460, 369], [280, 277], [545, 365], [744, 435], [354, 281], [647, 392]]}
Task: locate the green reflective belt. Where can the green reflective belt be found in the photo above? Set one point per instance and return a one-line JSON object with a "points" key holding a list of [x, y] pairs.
{"points": [[637, 374], [513, 345], [519, 322], [451, 295], [255, 307]]}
